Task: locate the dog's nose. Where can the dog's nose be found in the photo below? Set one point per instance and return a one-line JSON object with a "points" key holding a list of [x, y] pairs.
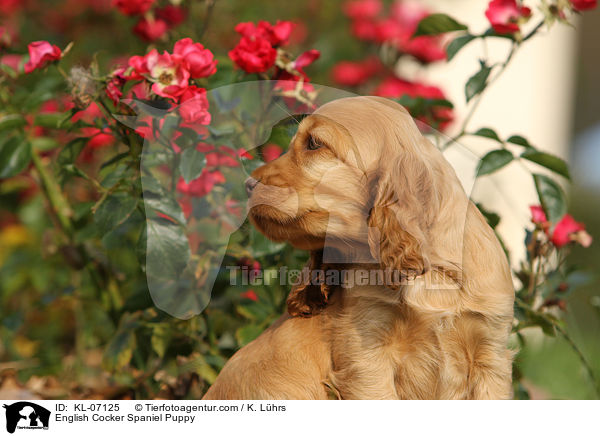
{"points": [[251, 183]]}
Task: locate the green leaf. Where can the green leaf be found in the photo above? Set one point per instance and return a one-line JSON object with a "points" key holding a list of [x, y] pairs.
{"points": [[167, 248], [44, 143], [488, 133], [519, 140], [161, 337], [114, 211], [12, 121], [492, 218], [119, 351], [553, 163], [551, 196], [493, 161], [247, 334], [52, 120], [456, 44], [477, 82], [164, 203], [71, 151], [435, 24], [15, 155], [191, 164]]}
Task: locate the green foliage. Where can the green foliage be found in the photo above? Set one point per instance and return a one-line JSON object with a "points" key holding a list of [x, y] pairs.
{"points": [[457, 44], [85, 228], [435, 24], [477, 83], [493, 161], [552, 197]]}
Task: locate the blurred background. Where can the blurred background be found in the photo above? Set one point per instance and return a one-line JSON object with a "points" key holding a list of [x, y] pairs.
{"points": [[549, 94]]}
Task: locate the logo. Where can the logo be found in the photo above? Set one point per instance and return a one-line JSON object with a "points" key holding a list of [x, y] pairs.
{"points": [[26, 415]]}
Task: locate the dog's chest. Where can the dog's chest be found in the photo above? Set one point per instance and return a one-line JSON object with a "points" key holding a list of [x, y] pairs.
{"points": [[383, 351]]}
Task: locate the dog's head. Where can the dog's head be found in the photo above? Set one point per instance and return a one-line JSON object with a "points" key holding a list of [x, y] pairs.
{"points": [[358, 173]]}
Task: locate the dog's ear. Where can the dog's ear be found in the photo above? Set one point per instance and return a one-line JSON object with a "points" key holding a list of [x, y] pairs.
{"points": [[311, 295], [401, 212]]}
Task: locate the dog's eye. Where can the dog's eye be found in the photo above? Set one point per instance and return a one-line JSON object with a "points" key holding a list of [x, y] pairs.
{"points": [[313, 143]]}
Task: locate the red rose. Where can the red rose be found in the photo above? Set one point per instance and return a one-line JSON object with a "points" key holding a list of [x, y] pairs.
{"points": [[424, 48], [583, 5], [8, 7], [253, 55], [568, 230], [114, 87], [358, 9], [172, 15], [202, 185], [133, 7], [40, 54], [400, 27], [271, 152], [364, 29], [306, 58], [355, 73], [150, 29], [394, 88], [200, 61], [98, 137], [276, 35], [168, 73], [250, 295], [504, 15], [194, 106]]}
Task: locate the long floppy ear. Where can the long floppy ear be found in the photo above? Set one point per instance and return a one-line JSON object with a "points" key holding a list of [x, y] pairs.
{"points": [[401, 214], [311, 295]]}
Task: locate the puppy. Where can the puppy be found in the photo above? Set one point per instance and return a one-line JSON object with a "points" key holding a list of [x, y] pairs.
{"points": [[368, 196]]}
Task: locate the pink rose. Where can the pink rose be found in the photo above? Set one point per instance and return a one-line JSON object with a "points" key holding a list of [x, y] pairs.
{"points": [[194, 106], [253, 55], [538, 216], [568, 230], [200, 61], [40, 54], [504, 15], [133, 7], [357, 9], [11, 60], [168, 73]]}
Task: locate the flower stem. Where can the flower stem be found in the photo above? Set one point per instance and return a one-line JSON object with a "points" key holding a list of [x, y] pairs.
{"points": [[57, 201]]}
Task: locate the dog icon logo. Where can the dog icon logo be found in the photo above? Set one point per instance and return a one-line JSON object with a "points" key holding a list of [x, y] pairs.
{"points": [[26, 415]]}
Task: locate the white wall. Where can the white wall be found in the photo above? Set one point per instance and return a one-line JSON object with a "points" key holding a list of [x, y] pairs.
{"points": [[533, 98]]}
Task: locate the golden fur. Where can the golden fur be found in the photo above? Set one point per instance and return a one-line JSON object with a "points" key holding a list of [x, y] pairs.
{"points": [[380, 196]]}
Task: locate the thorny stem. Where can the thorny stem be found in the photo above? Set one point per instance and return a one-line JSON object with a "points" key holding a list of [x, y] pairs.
{"points": [[477, 99], [210, 5]]}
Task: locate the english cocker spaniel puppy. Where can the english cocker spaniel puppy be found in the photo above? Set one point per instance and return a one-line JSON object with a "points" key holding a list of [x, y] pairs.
{"points": [[421, 304]]}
